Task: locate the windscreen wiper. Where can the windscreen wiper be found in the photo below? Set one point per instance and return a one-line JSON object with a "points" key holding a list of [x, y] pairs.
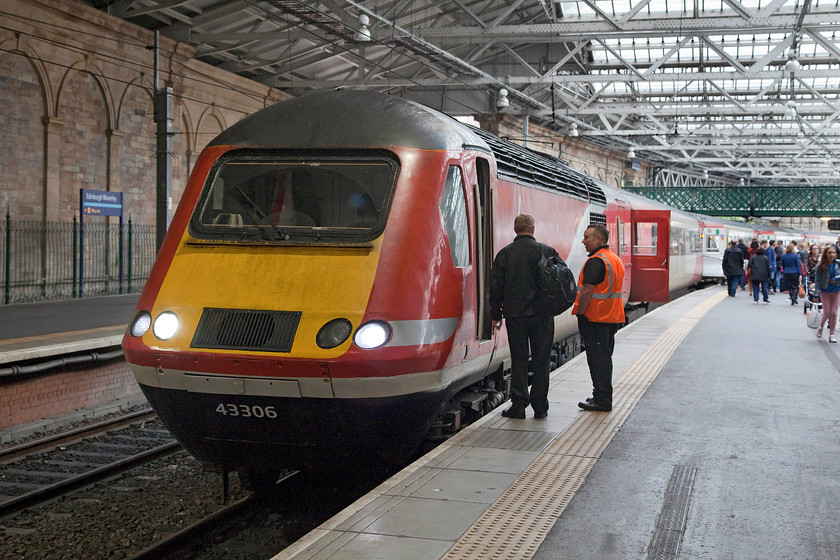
{"points": [[261, 215]]}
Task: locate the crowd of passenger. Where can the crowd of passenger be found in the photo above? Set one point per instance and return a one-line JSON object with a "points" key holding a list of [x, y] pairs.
{"points": [[799, 269]]}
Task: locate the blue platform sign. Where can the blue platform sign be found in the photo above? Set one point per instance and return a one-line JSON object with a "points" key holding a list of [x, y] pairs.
{"points": [[101, 203]]}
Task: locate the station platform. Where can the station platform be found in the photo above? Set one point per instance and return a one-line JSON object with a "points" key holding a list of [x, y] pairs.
{"points": [[29, 331], [723, 443]]}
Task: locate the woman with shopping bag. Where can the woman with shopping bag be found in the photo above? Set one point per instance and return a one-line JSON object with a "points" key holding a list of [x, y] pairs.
{"points": [[827, 287]]}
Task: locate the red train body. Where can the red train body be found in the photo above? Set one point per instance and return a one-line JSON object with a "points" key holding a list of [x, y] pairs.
{"points": [[320, 300]]}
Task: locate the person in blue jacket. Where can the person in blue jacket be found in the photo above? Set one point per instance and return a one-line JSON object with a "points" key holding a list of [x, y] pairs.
{"points": [[791, 271], [771, 257]]}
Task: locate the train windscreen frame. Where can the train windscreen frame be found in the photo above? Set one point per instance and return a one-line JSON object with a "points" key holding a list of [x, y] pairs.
{"points": [[280, 197]]}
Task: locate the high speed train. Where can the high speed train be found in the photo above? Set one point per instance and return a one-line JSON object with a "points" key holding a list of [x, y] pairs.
{"points": [[320, 300]]}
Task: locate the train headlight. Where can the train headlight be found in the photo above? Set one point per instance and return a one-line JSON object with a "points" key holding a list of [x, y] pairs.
{"points": [[333, 333], [141, 324], [165, 325], [372, 335]]}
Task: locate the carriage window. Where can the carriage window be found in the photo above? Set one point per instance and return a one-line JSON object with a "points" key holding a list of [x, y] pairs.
{"points": [[266, 197], [453, 208], [644, 238]]}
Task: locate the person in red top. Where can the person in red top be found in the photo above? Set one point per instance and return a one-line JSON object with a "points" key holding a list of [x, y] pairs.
{"points": [[600, 311]]}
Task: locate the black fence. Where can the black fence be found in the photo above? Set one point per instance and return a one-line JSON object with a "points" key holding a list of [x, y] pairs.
{"points": [[41, 261]]}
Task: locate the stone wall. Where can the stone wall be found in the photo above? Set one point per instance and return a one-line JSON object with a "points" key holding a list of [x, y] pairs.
{"points": [[78, 110]]}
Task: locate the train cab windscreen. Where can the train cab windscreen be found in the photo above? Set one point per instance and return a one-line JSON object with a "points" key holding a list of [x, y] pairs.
{"points": [[264, 197]]}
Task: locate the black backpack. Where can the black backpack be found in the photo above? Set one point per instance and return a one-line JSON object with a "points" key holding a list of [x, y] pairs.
{"points": [[556, 285]]}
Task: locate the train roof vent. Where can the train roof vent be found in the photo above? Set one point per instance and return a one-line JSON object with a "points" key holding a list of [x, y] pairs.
{"points": [[245, 329], [525, 166]]}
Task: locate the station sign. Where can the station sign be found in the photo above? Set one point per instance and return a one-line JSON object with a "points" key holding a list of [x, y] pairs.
{"points": [[101, 203]]}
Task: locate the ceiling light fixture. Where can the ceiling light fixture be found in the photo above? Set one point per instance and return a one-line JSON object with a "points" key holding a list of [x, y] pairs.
{"points": [[502, 101], [363, 33], [573, 130], [630, 153]]}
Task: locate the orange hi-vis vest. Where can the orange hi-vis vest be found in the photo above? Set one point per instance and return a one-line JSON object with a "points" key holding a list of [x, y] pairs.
{"points": [[606, 305]]}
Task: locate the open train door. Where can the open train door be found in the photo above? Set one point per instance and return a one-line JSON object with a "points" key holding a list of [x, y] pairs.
{"points": [[650, 259], [620, 236]]}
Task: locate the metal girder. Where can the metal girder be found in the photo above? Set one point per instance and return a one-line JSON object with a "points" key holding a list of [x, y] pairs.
{"points": [[628, 74]]}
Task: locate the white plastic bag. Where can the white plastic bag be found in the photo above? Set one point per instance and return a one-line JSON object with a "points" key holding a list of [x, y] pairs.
{"points": [[815, 316]]}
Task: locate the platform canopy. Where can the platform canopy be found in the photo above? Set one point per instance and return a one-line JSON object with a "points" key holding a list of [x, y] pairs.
{"points": [[729, 89]]}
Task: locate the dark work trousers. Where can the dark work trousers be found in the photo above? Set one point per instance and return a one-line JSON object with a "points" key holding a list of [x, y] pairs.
{"points": [[539, 331], [599, 341]]}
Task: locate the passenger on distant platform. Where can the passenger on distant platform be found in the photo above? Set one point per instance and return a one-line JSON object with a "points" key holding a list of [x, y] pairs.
{"points": [[733, 267], [777, 272], [750, 254], [791, 272], [771, 256], [744, 250], [759, 274], [812, 261], [802, 251], [827, 287]]}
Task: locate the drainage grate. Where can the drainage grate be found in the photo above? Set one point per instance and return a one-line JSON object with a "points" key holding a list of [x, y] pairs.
{"points": [[245, 329], [670, 527]]}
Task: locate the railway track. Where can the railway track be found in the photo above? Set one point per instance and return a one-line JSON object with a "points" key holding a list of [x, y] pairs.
{"points": [[42, 470]]}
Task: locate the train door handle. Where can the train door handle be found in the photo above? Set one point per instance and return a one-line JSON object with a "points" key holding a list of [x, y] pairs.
{"points": [[664, 262]]}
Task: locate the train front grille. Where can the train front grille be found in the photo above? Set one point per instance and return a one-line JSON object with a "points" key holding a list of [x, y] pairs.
{"points": [[246, 329]]}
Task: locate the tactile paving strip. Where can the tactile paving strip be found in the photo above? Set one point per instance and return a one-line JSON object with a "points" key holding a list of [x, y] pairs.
{"points": [[515, 525]]}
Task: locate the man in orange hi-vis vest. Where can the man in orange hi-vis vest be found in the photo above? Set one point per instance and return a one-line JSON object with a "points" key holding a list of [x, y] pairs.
{"points": [[600, 311]]}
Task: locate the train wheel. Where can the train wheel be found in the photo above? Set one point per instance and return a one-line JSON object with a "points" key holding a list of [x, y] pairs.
{"points": [[258, 480]]}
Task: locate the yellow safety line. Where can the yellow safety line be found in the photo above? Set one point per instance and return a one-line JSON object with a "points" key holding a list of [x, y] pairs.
{"points": [[515, 525]]}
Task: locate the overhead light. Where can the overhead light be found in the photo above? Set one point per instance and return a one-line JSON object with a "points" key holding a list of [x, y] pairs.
{"points": [[363, 33], [705, 173], [741, 181], [790, 112], [502, 100], [792, 65], [630, 153], [573, 131]]}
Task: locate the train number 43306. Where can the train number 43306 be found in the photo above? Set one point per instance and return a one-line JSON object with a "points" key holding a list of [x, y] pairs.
{"points": [[247, 411]]}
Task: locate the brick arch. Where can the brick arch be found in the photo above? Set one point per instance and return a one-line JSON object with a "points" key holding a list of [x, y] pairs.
{"points": [[210, 124], [24, 158], [142, 83], [83, 147], [135, 152], [89, 67], [20, 46]]}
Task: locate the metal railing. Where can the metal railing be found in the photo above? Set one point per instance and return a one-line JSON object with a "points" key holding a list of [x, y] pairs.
{"points": [[40, 261]]}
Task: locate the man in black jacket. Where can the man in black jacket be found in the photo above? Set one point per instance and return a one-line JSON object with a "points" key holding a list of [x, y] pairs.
{"points": [[513, 295], [733, 267]]}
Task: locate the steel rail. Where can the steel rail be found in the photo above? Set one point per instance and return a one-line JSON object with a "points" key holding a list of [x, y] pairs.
{"points": [[50, 442], [83, 480]]}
